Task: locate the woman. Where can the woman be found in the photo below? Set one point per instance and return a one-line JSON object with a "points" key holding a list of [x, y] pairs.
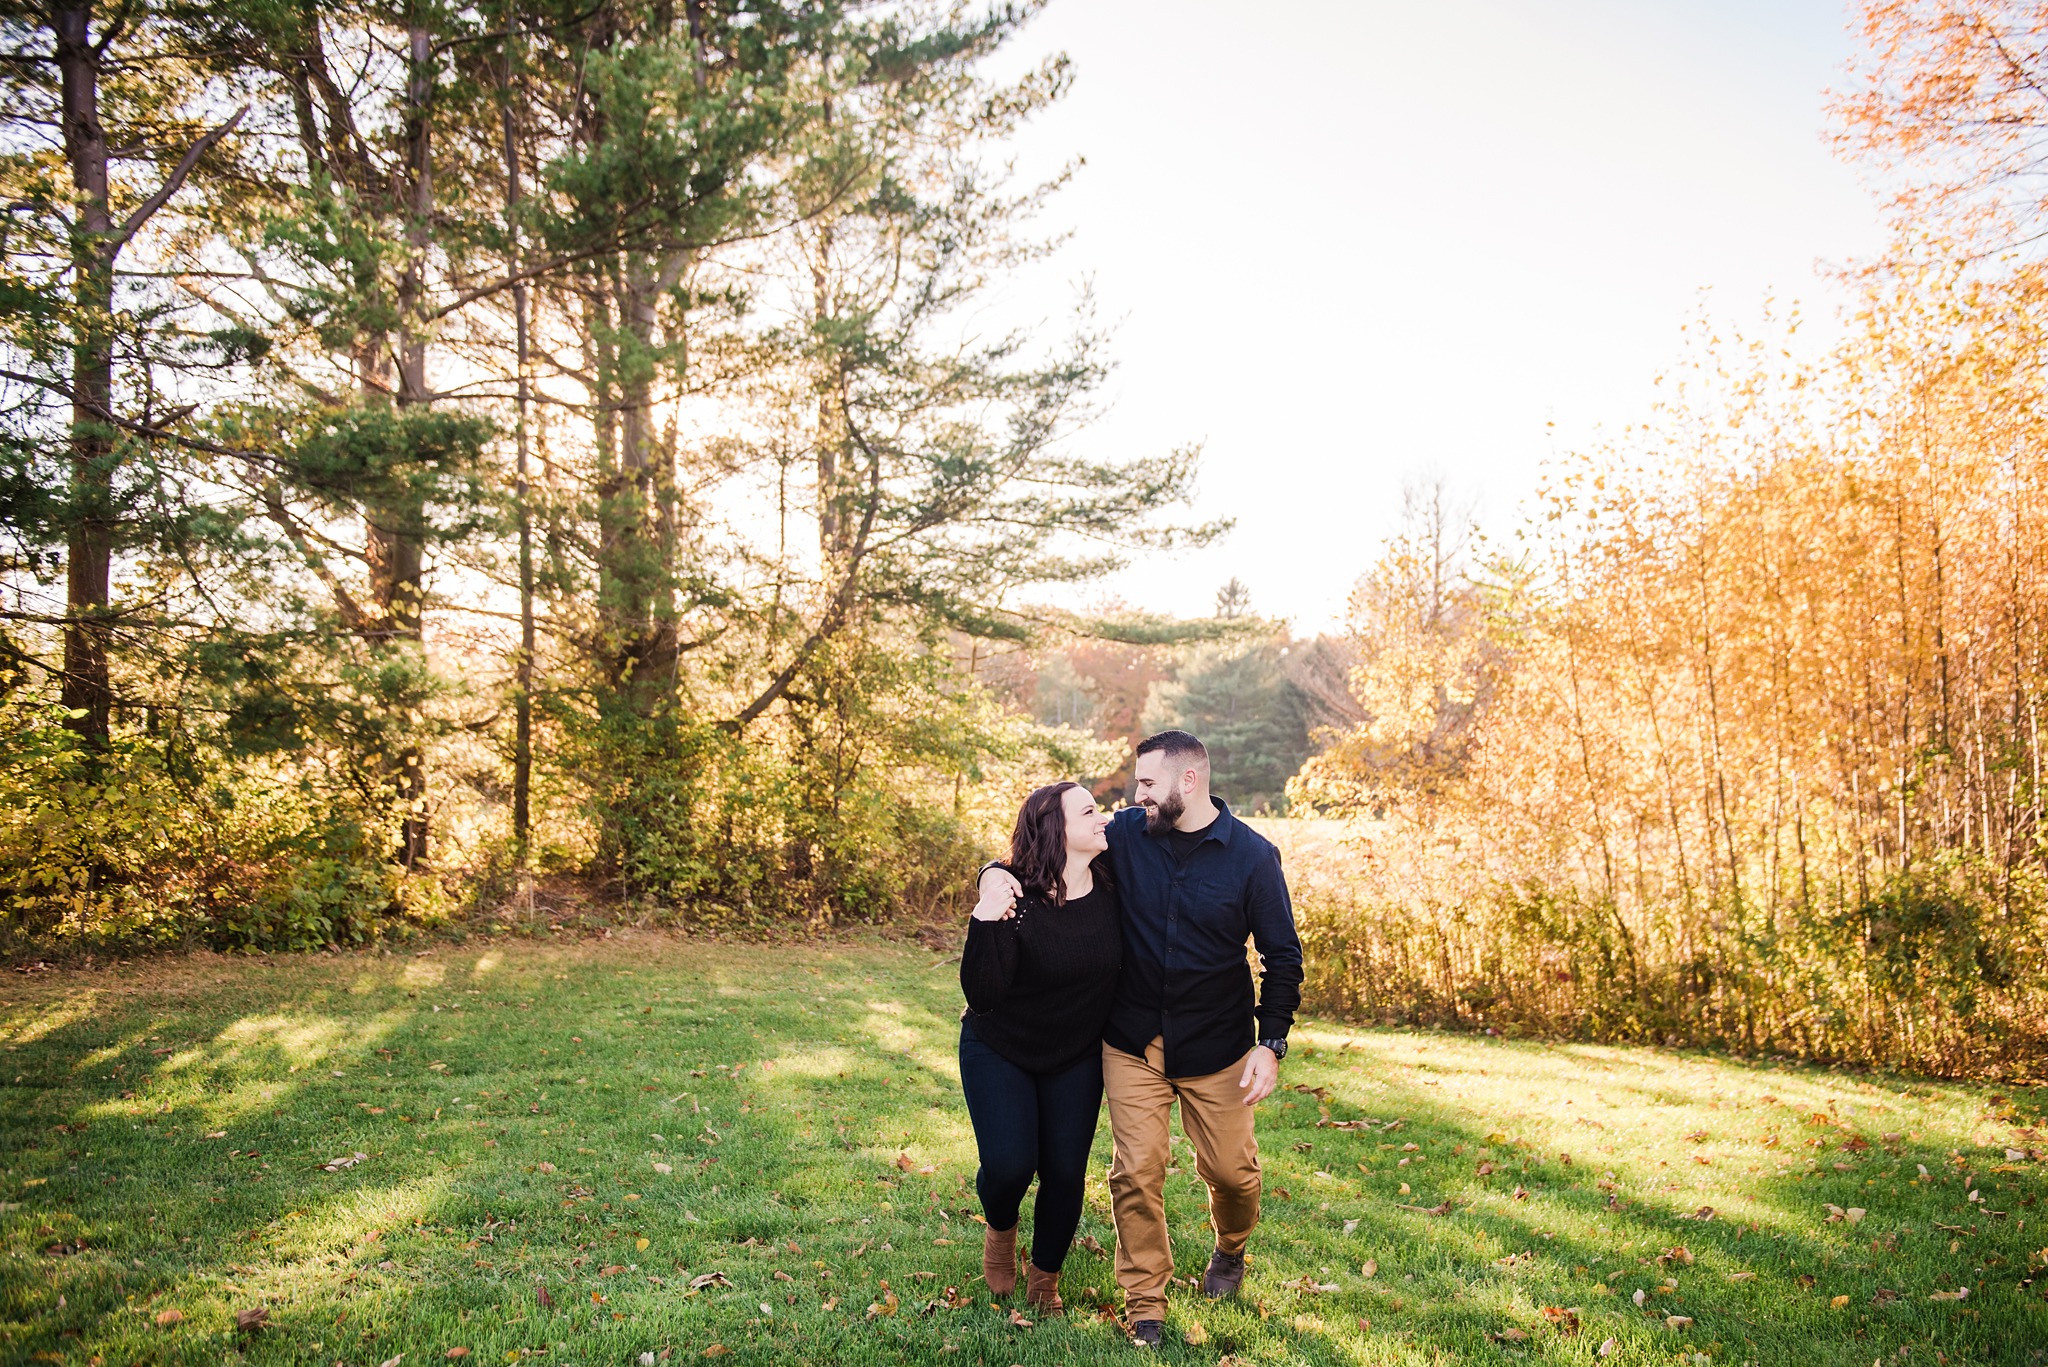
{"points": [[1039, 972]]}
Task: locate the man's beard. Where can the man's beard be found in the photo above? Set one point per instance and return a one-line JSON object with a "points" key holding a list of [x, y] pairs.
{"points": [[1163, 814]]}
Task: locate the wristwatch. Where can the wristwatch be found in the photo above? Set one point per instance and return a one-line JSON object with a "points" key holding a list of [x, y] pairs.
{"points": [[1278, 1046]]}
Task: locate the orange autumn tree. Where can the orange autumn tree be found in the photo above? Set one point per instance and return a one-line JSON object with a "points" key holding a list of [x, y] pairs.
{"points": [[1947, 116], [1760, 759]]}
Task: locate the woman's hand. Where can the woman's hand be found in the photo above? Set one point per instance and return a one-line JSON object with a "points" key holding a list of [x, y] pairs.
{"points": [[997, 903]]}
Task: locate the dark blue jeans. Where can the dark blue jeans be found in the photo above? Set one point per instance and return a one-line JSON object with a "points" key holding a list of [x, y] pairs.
{"points": [[1026, 1124]]}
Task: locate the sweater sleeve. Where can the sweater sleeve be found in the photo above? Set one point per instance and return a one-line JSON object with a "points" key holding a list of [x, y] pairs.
{"points": [[988, 964]]}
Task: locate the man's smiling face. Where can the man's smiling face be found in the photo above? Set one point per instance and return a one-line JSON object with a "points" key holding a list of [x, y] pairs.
{"points": [[1160, 792]]}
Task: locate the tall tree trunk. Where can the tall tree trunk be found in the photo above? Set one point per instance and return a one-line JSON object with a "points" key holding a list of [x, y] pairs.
{"points": [[648, 470], [88, 690], [522, 669], [397, 557]]}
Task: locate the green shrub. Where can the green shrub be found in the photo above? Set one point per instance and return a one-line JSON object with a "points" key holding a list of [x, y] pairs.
{"points": [[157, 839]]}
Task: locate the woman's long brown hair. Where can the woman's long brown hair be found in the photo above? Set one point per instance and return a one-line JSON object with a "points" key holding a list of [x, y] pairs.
{"points": [[1038, 847]]}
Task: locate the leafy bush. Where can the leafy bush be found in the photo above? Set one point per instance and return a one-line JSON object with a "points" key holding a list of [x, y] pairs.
{"points": [[159, 839]]}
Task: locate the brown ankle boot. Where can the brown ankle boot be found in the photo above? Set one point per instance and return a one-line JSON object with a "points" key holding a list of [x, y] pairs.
{"points": [[1042, 1289], [999, 1260]]}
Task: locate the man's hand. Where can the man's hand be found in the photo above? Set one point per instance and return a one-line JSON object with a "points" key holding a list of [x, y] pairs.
{"points": [[999, 892], [1261, 1075], [999, 884]]}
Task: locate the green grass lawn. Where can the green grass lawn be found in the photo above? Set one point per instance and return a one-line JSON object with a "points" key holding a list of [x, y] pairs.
{"points": [[586, 1153]]}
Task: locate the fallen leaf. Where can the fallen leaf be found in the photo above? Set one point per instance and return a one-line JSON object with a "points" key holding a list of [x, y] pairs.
{"points": [[392, 1362], [1406, 1190], [1885, 1296], [1838, 1302], [1564, 1321], [1962, 1293], [1017, 1318], [1742, 1276], [1609, 1347], [611, 1270], [1804, 1280], [1196, 1334], [456, 1353], [699, 1282], [250, 1320], [663, 1168], [716, 1350], [166, 1318], [1370, 1269], [1855, 1214], [339, 1164], [1640, 1297], [1677, 1321], [640, 1245], [547, 1302]]}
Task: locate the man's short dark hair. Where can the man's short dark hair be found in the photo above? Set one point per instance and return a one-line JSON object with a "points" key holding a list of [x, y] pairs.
{"points": [[1179, 747]]}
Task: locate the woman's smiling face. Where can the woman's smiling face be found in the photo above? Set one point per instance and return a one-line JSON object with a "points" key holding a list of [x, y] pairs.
{"points": [[1087, 825]]}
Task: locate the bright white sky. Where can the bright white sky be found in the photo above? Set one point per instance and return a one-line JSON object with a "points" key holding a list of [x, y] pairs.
{"points": [[1351, 240]]}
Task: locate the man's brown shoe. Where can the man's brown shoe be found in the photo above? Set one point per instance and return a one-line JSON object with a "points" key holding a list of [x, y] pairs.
{"points": [[999, 1259], [1042, 1290], [1225, 1275]]}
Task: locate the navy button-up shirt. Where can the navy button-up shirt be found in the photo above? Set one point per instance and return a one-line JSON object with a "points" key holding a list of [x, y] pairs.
{"points": [[1185, 977]]}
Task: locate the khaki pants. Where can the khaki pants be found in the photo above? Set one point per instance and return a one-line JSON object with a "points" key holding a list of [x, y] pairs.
{"points": [[1214, 1116]]}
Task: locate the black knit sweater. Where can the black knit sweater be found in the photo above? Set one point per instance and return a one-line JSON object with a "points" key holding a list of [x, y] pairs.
{"points": [[1039, 985]]}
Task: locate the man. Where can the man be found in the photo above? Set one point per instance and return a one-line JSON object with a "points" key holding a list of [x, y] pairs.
{"points": [[1195, 882]]}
